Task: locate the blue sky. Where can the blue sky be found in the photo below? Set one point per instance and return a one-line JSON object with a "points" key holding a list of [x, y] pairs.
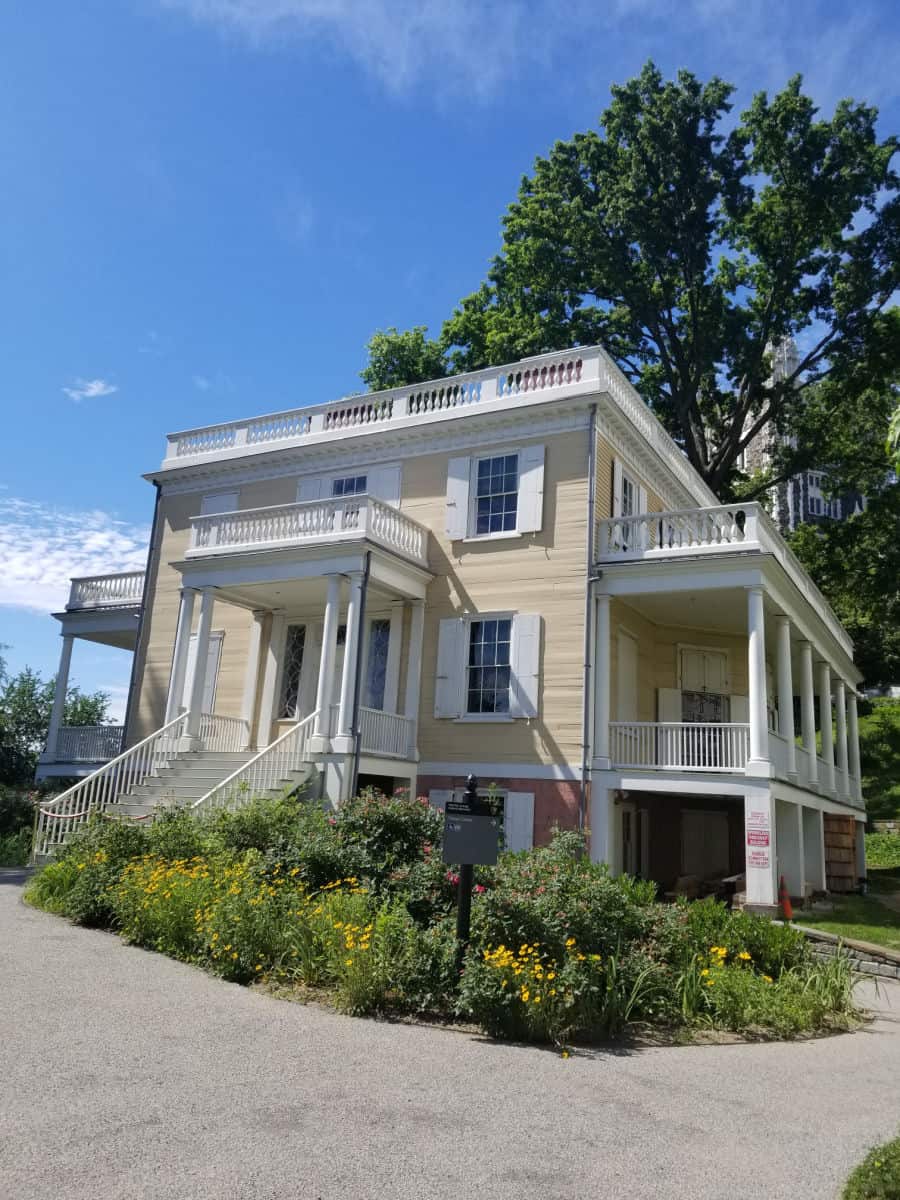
{"points": [[209, 205]]}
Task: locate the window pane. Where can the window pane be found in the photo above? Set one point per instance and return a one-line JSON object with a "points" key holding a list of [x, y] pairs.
{"points": [[293, 664], [376, 670], [496, 494], [487, 687], [351, 485]]}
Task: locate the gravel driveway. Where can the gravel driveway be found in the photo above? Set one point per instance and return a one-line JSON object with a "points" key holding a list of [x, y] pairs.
{"points": [[128, 1075]]}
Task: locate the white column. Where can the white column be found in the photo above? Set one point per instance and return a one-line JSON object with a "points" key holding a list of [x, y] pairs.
{"points": [[808, 711], [604, 816], [343, 743], [813, 849], [853, 738], [180, 654], [825, 724], [601, 681], [840, 704], [58, 710], [760, 849], [325, 687], [756, 652], [195, 704], [786, 692], [251, 675], [414, 672], [392, 667], [789, 840], [274, 654]]}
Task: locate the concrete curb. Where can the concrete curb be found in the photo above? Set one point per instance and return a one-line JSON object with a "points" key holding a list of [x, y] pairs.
{"points": [[868, 958]]}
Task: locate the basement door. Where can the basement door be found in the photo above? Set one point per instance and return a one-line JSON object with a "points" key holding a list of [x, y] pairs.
{"points": [[212, 671]]}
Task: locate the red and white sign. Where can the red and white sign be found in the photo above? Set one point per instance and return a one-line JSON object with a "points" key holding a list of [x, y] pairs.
{"points": [[757, 837], [758, 858]]}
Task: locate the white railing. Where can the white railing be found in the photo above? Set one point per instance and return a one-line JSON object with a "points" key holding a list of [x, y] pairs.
{"points": [[106, 785], [88, 743], [265, 771], [106, 591], [310, 522], [386, 733], [721, 529], [579, 370], [673, 745], [224, 734]]}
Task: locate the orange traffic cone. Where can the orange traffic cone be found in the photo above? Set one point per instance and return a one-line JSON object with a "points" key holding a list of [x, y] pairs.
{"points": [[787, 909]]}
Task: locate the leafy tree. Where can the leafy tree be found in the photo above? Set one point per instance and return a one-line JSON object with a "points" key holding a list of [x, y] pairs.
{"points": [[689, 252], [397, 358], [26, 701], [893, 441]]}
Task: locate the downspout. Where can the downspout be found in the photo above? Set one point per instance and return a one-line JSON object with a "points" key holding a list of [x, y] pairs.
{"points": [[139, 648], [586, 738], [357, 682]]}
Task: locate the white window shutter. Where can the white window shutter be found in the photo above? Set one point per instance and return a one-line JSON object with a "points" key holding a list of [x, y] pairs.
{"points": [[525, 654], [642, 499], [384, 483], [310, 488], [617, 488], [448, 685], [438, 797], [739, 707], [530, 507], [518, 820], [458, 497]]}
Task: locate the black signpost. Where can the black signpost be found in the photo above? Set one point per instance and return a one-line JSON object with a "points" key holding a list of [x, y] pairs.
{"points": [[471, 838]]}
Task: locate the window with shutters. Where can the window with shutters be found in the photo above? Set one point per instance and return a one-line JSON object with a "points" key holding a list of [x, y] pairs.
{"points": [[496, 497], [349, 485], [488, 672], [292, 669]]}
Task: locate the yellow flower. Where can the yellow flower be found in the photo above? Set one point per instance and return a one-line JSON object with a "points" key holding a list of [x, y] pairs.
{"points": [[767, 978], [258, 967], [348, 962], [537, 999], [565, 1054], [570, 941], [710, 982], [744, 955], [705, 971]]}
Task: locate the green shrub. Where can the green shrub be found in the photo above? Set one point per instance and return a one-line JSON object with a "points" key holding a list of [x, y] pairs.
{"points": [[691, 928], [554, 893], [878, 1176], [883, 850], [159, 903], [49, 889], [15, 848]]}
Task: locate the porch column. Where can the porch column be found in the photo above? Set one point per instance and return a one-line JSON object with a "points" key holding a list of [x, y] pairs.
{"points": [[825, 724], [251, 675], [59, 699], [814, 849], [343, 743], [195, 704], [414, 673], [756, 650], [180, 654], [760, 848], [840, 705], [601, 682], [808, 711], [325, 688], [392, 667], [786, 693], [853, 737], [789, 840], [270, 679]]}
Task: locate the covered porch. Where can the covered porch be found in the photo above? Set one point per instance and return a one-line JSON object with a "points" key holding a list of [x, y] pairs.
{"points": [[336, 620], [106, 610]]}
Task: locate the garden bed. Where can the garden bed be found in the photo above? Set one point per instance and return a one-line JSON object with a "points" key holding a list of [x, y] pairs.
{"points": [[357, 909]]}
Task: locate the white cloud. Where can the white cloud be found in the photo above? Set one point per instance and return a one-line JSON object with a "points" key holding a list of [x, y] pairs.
{"points": [[466, 49], [89, 389], [42, 547]]}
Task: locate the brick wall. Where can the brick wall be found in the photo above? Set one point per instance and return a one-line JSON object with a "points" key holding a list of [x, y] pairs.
{"points": [[555, 801]]}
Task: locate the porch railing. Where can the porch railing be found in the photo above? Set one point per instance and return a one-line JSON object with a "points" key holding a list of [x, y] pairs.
{"points": [[671, 745], [226, 735], [310, 522], [88, 743], [103, 787], [267, 770], [106, 591], [380, 732]]}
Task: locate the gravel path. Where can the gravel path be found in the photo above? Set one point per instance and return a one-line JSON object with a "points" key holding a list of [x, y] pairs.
{"points": [[127, 1075]]}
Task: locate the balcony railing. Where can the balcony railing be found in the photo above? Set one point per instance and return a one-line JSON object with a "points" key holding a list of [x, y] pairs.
{"points": [[381, 732], [88, 743], [106, 591], [676, 746], [723, 529], [310, 522]]}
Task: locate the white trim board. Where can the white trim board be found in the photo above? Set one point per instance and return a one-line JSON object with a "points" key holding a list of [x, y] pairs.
{"points": [[486, 772]]}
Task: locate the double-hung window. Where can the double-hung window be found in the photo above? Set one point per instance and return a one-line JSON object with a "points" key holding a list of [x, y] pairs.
{"points": [[496, 494], [348, 485], [488, 669]]}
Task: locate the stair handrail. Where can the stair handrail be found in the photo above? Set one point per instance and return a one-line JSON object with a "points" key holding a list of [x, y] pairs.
{"points": [[104, 786], [264, 770]]}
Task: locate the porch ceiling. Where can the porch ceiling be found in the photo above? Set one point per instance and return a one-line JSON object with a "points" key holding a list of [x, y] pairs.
{"points": [[110, 627]]}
